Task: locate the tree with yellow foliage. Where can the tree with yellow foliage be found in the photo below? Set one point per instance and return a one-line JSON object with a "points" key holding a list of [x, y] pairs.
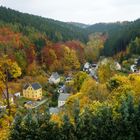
{"points": [[106, 71], [70, 61], [94, 47], [8, 68], [79, 78]]}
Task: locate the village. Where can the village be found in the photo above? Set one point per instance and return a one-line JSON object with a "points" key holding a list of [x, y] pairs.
{"points": [[32, 96], [69, 70]]}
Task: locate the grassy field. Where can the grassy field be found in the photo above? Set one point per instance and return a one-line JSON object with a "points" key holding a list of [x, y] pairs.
{"points": [[21, 100]]}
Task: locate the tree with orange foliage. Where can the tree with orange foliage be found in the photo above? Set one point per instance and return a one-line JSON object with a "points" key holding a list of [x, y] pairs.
{"points": [[48, 56]]}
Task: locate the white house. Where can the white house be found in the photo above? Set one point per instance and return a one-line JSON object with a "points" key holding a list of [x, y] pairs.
{"points": [[117, 66], [63, 89], [62, 99], [17, 94], [92, 73], [133, 68], [55, 78], [86, 66]]}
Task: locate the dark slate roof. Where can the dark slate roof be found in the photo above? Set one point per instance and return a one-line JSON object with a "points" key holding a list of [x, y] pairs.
{"points": [[63, 96], [26, 86], [36, 86]]}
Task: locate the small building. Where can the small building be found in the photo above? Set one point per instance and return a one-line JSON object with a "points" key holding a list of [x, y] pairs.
{"points": [[68, 79], [32, 91], [92, 73], [117, 66], [30, 104], [86, 66], [63, 89], [55, 78], [54, 110], [133, 68], [62, 99], [17, 94], [94, 65]]}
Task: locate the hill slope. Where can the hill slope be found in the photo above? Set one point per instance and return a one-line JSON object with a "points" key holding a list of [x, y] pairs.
{"points": [[119, 34], [55, 30], [81, 25]]}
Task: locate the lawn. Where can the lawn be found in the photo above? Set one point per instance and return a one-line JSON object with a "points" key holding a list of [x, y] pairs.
{"points": [[21, 100]]}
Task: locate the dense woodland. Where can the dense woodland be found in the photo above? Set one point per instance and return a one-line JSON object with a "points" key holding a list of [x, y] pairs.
{"points": [[32, 47], [117, 39], [55, 30]]}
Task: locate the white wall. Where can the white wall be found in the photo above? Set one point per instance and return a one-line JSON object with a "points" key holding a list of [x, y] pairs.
{"points": [[61, 103]]}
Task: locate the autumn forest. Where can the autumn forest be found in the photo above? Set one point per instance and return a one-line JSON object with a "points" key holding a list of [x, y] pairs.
{"points": [[97, 66]]}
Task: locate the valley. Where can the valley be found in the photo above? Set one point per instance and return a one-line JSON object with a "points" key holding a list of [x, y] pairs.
{"points": [[68, 80]]}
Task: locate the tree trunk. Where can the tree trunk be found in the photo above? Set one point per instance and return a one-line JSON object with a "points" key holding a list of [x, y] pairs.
{"points": [[7, 100], [7, 94]]}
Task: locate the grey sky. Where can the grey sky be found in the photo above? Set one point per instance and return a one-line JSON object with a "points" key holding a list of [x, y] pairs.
{"points": [[84, 11]]}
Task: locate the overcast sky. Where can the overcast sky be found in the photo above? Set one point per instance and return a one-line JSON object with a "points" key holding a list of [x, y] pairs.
{"points": [[84, 11]]}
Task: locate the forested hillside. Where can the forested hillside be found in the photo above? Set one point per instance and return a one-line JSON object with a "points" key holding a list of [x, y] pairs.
{"points": [[119, 35], [103, 92], [55, 30], [81, 25], [37, 43]]}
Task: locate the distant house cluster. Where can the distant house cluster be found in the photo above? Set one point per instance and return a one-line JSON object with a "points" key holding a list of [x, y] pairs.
{"points": [[114, 65], [91, 69], [63, 95], [32, 91]]}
